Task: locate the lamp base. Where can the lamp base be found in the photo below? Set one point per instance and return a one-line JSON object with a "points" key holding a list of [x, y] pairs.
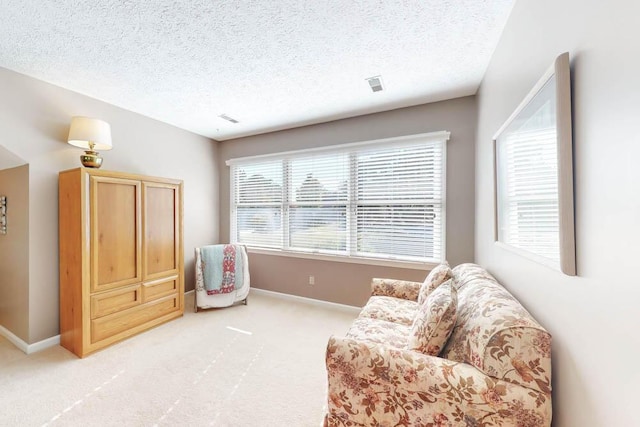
{"points": [[91, 159]]}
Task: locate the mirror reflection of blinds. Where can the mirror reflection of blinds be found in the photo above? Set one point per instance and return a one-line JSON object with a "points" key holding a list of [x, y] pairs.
{"points": [[531, 192], [381, 201]]}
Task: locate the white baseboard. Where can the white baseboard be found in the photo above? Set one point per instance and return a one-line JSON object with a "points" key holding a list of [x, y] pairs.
{"points": [[14, 339], [321, 303], [29, 348], [41, 345]]}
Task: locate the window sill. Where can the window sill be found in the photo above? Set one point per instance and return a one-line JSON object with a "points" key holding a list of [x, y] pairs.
{"points": [[412, 265]]}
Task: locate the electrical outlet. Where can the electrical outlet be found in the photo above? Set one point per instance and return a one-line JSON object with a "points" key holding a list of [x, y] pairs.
{"points": [[312, 280]]}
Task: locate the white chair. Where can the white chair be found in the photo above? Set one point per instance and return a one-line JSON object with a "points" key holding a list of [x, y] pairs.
{"points": [[203, 300]]}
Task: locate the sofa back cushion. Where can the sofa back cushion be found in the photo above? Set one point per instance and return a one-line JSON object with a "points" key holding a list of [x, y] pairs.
{"points": [[440, 274], [494, 333], [434, 321]]}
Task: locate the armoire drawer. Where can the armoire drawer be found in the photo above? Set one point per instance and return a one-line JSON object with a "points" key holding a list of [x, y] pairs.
{"points": [[159, 288], [114, 301], [107, 326]]}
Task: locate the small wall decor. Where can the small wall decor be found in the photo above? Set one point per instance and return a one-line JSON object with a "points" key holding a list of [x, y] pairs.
{"points": [[534, 174], [3, 214]]}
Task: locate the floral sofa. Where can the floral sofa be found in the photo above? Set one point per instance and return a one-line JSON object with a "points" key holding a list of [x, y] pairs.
{"points": [[493, 370]]}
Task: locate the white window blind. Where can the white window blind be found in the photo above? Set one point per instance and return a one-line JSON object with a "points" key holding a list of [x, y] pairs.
{"points": [[318, 203], [383, 199], [399, 201], [258, 204], [527, 181]]}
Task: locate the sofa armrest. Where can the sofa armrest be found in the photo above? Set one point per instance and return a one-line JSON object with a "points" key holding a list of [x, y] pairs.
{"points": [[403, 289], [370, 382]]}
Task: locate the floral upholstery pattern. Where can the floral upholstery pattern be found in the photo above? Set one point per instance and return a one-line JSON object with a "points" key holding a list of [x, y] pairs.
{"points": [[379, 332], [496, 334], [440, 274], [495, 369], [434, 321], [375, 385], [390, 309], [403, 289], [467, 273]]}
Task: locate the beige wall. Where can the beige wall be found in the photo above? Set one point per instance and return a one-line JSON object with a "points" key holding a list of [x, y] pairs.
{"points": [[14, 250], [343, 283], [593, 317], [8, 159], [349, 283], [34, 118]]}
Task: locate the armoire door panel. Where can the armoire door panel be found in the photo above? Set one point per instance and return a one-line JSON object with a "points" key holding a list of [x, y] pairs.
{"points": [[161, 238], [115, 232]]}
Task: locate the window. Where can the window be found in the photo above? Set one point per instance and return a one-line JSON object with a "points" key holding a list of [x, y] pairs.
{"points": [[534, 178], [379, 199]]}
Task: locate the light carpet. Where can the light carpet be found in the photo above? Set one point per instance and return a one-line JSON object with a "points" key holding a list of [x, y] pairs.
{"points": [[255, 365]]}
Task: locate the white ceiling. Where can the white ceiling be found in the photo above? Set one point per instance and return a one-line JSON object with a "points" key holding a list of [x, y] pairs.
{"points": [[270, 64]]}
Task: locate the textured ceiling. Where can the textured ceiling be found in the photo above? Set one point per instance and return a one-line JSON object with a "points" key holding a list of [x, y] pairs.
{"points": [[269, 64]]}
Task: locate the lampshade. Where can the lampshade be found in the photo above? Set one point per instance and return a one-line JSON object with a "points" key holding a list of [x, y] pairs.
{"points": [[85, 129]]}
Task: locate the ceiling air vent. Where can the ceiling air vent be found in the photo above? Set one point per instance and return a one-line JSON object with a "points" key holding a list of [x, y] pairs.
{"points": [[227, 118], [375, 83]]}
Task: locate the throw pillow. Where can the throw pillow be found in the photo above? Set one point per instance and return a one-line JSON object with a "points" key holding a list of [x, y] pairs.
{"points": [[435, 278], [435, 320]]}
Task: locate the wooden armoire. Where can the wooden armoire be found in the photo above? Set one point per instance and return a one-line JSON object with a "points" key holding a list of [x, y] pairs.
{"points": [[121, 256]]}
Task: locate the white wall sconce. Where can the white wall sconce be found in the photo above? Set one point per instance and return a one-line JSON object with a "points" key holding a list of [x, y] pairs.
{"points": [[92, 134], [3, 214]]}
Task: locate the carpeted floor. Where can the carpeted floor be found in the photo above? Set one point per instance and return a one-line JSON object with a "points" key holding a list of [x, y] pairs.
{"points": [[255, 365]]}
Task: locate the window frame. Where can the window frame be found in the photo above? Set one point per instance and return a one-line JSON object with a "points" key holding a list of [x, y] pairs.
{"points": [[397, 142]]}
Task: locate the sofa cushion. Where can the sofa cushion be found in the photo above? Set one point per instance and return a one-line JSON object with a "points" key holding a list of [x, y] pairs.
{"points": [[434, 321], [440, 274], [390, 309], [402, 289], [379, 332], [496, 334]]}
